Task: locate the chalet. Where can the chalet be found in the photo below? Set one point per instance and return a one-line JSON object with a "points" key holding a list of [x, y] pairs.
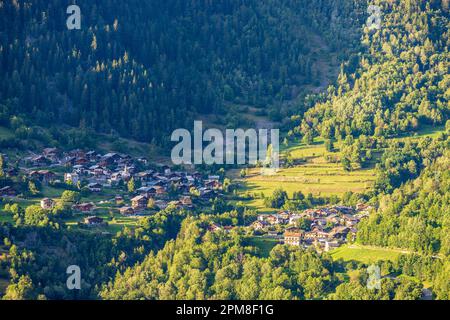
{"points": [[139, 202], [259, 225], [7, 192], [125, 157], [44, 176], [51, 153], [262, 217], [68, 161], [339, 232], [294, 218], [93, 221], [77, 153], [320, 222], [214, 227], [118, 199], [84, 207], [160, 192], [166, 169], [207, 194], [316, 234], [186, 201], [39, 161], [190, 179], [73, 178], [213, 184], [284, 214], [344, 209], [126, 211], [197, 175], [228, 229], [271, 219], [47, 204], [94, 187], [92, 156], [272, 233], [98, 172], [333, 218], [276, 219], [362, 207], [148, 192], [293, 236], [79, 169], [349, 220], [110, 158], [330, 245], [143, 160], [144, 177], [81, 161], [116, 177], [175, 204], [310, 213], [160, 181], [184, 188]]}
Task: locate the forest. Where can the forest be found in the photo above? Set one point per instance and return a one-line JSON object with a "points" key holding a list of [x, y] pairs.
{"points": [[143, 68]]}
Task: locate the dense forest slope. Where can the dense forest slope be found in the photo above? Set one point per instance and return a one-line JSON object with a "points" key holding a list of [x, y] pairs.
{"points": [[398, 83], [416, 216], [143, 68]]}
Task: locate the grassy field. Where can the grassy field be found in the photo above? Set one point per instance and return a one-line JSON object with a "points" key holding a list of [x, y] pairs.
{"points": [[313, 175], [365, 254], [116, 222], [426, 131], [265, 245], [5, 133], [5, 217]]}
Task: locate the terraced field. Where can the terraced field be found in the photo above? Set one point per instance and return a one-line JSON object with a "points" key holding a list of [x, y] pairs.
{"points": [[366, 254], [314, 175]]}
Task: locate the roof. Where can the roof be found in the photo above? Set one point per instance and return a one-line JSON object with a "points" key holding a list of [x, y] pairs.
{"points": [[138, 198], [125, 209]]}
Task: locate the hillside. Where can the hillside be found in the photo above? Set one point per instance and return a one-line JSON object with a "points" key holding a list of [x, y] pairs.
{"points": [[364, 178], [143, 68]]}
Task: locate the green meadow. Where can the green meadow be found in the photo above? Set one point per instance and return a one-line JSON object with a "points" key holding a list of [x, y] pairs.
{"points": [[264, 245], [313, 174], [365, 254]]}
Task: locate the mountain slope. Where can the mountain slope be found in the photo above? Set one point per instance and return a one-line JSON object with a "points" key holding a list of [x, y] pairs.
{"points": [[398, 83], [143, 68]]}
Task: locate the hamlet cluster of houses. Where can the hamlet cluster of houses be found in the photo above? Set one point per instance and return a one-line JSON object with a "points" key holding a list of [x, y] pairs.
{"points": [[329, 227], [157, 187]]}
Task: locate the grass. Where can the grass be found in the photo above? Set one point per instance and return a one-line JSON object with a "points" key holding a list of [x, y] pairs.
{"points": [[6, 217], [116, 222], [425, 131], [265, 245], [5, 133], [365, 254]]}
